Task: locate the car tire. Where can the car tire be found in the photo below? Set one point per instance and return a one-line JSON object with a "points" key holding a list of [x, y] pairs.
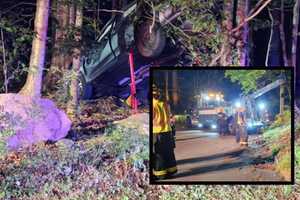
{"points": [[148, 44], [85, 88]]}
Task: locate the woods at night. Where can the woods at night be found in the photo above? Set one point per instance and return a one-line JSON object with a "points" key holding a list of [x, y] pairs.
{"points": [[80, 80]]}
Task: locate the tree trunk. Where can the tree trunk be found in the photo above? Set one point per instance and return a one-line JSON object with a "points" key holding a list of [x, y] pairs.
{"points": [[4, 62], [73, 103], [33, 83], [282, 35], [59, 59], [275, 46], [241, 16], [295, 32], [225, 59], [245, 52]]}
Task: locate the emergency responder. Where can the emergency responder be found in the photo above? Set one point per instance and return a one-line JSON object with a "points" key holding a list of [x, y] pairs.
{"points": [[241, 127], [173, 121], [164, 158], [221, 121], [188, 121]]}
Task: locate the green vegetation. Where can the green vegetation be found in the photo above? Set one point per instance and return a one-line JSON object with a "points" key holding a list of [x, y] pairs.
{"points": [[281, 119], [247, 79], [103, 167], [115, 166], [180, 119], [278, 138]]}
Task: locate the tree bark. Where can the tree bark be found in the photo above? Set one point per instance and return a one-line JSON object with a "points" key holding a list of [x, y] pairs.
{"points": [[295, 32], [241, 16], [282, 35], [74, 92], [33, 83], [60, 59], [245, 52], [4, 62], [225, 59]]}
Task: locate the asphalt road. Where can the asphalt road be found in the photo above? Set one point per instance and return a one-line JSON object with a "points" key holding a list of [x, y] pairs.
{"points": [[205, 156]]}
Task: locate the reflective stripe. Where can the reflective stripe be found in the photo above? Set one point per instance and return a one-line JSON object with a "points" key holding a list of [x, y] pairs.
{"points": [[161, 117], [164, 172], [172, 169], [160, 173], [243, 142]]}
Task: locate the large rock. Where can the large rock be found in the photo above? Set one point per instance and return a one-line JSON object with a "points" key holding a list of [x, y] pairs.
{"points": [[32, 119]]}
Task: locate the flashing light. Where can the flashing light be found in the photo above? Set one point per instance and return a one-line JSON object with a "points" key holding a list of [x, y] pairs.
{"points": [[200, 125], [218, 98], [213, 126], [261, 106], [238, 104], [207, 98]]}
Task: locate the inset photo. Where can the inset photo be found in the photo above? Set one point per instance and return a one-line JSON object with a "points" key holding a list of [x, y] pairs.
{"points": [[221, 126]]}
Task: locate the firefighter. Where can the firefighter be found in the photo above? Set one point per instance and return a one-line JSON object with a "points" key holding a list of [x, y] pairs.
{"points": [[164, 158], [221, 121], [173, 127], [241, 127]]}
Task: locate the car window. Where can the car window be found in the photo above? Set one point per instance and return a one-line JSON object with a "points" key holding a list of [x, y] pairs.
{"points": [[107, 50], [106, 29]]}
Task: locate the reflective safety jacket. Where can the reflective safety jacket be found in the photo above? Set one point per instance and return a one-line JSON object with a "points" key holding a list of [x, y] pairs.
{"points": [[161, 117]]}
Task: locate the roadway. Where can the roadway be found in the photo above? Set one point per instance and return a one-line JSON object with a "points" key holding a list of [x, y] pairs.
{"points": [[205, 156]]}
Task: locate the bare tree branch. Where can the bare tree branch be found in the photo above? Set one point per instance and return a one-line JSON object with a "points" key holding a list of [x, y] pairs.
{"points": [[251, 16]]}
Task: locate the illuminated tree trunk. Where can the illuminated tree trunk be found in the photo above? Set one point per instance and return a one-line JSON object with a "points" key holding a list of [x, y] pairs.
{"points": [[242, 35], [33, 83], [245, 52], [275, 45], [295, 32], [282, 35], [73, 103], [225, 59], [295, 42]]}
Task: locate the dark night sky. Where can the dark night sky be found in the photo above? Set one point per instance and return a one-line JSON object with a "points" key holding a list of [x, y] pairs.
{"points": [[191, 81], [208, 80]]}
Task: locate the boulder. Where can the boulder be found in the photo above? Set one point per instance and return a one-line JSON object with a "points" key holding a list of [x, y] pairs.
{"points": [[32, 119]]}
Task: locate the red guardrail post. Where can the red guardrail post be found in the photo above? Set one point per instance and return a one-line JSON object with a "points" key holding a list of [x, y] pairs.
{"points": [[132, 85]]}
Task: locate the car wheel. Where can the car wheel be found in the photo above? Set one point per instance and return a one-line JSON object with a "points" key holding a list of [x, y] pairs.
{"points": [[152, 44], [85, 89]]}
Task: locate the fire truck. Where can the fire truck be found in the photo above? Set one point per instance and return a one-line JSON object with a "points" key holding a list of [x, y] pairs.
{"points": [[209, 104]]}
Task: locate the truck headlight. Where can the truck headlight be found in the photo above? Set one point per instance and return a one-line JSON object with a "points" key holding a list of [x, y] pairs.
{"points": [[213, 126]]}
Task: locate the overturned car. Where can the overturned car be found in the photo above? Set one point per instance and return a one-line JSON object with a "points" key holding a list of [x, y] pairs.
{"points": [[105, 69]]}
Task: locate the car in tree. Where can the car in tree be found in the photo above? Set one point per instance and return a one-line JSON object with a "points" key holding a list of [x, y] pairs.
{"points": [[105, 69]]}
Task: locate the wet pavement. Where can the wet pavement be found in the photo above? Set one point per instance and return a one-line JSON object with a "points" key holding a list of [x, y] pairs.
{"points": [[206, 156]]}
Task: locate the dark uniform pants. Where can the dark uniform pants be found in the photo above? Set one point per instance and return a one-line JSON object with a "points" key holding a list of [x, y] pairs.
{"points": [[241, 134], [164, 158]]}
